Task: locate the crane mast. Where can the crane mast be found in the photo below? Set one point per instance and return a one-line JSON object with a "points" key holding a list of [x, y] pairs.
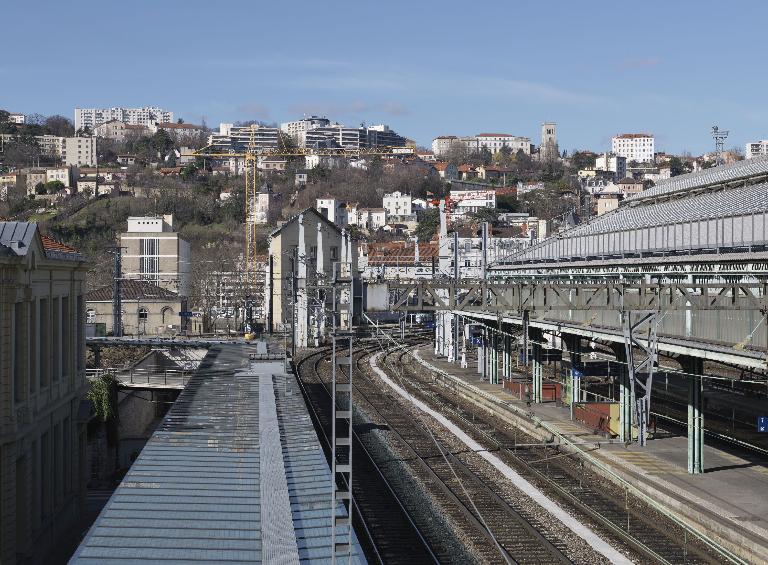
{"points": [[251, 160]]}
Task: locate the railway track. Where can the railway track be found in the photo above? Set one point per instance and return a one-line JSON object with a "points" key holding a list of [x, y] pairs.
{"points": [[374, 496], [615, 514], [496, 528], [461, 485]]}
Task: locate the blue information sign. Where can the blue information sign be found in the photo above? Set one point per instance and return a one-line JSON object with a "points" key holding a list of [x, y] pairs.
{"points": [[762, 424], [186, 314]]}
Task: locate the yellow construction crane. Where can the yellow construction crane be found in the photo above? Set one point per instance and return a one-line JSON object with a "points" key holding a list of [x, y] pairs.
{"points": [[251, 158]]}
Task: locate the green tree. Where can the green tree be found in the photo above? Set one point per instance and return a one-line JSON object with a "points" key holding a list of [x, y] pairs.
{"points": [[676, 166], [54, 186], [507, 203], [162, 141], [40, 188], [188, 171], [429, 222], [490, 215], [583, 160], [59, 126]]}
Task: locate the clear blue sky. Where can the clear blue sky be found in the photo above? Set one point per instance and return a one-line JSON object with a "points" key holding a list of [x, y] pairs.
{"points": [[673, 68]]}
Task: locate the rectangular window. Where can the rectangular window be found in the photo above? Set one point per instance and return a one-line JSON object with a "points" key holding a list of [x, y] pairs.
{"points": [[58, 466], [80, 335], [66, 336], [45, 472], [44, 346], [149, 262], [67, 449], [18, 351], [33, 346], [56, 339]]}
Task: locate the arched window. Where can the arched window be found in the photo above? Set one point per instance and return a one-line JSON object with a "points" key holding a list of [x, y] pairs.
{"points": [[167, 314], [90, 316]]}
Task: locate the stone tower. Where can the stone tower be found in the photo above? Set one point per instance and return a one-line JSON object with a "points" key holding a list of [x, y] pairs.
{"points": [[549, 149]]}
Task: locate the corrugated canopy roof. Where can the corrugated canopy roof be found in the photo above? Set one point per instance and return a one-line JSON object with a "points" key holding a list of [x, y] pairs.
{"points": [[234, 474]]}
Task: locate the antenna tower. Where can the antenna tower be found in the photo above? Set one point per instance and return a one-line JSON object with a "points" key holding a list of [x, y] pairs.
{"points": [[719, 136]]}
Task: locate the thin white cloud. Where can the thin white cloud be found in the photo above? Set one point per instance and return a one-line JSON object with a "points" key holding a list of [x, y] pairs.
{"points": [[351, 108], [257, 111], [633, 63]]}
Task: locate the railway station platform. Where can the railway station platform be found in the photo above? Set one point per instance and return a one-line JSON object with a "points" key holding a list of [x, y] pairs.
{"points": [[235, 473], [727, 502]]}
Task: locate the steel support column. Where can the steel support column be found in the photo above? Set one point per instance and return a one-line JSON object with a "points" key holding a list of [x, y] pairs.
{"points": [[695, 368], [507, 358], [481, 354], [621, 379], [494, 376], [464, 332], [537, 371], [641, 369]]}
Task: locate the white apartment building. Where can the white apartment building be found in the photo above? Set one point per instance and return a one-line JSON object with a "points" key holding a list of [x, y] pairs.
{"points": [[154, 252], [16, 118], [756, 149], [113, 129], [58, 173], [50, 145], [324, 161], [398, 204], [495, 142], [76, 151], [368, 218], [334, 210], [614, 163], [634, 146], [148, 115], [471, 252], [79, 151], [443, 144], [466, 201], [298, 129], [239, 138]]}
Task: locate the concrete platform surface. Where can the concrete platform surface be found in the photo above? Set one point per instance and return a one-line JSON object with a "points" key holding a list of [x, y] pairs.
{"points": [[730, 494]]}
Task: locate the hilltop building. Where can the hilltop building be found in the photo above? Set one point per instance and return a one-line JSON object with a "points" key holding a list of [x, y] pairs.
{"points": [[638, 147], [549, 150], [92, 117]]}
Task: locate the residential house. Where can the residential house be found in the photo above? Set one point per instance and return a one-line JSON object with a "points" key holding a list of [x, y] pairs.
{"points": [[493, 173], [268, 207], [398, 260], [467, 172], [446, 171], [333, 209], [147, 309]]}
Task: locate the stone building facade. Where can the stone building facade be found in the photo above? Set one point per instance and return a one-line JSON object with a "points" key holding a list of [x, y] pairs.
{"points": [[42, 387]]}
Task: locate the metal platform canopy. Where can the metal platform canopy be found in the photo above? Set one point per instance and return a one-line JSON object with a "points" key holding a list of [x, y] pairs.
{"points": [[235, 473]]}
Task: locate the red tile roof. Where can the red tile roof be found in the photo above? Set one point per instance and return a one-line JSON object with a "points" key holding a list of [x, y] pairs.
{"points": [[633, 135], [400, 253], [494, 135], [50, 244], [170, 125]]}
